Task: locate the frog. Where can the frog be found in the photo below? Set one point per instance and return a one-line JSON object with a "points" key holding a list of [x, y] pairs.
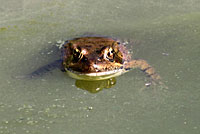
{"points": [[98, 58], [94, 58]]}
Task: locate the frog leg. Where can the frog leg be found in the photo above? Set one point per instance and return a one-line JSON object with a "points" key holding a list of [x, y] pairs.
{"points": [[144, 66], [46, 68]]}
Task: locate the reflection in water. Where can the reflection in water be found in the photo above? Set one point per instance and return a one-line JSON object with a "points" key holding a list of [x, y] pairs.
{"points": [[95, 86]]}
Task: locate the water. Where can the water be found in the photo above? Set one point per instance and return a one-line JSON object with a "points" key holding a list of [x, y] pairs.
{"points": [[167, 35]]}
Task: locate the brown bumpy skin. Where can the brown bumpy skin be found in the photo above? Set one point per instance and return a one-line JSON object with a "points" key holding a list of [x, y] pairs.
{"points": [[93, 54], [144, 66]]}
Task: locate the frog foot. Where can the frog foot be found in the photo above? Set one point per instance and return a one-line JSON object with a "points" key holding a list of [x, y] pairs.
{"points": [[145, 67], [149, 70]]}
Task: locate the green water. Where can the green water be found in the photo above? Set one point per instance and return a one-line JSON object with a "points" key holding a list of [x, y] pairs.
{"points": [[167, 35]]}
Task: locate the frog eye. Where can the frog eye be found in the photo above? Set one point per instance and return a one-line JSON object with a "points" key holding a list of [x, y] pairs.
{"points": [[109, 54], [118, 56], [77, 55]]}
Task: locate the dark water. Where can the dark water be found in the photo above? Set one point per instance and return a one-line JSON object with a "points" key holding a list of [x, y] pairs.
{"points": [[167, 35]]}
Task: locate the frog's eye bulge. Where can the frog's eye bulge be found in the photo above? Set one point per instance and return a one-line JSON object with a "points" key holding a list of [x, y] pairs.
{"points": [[77, 55], [109, 54], [118, 56]]}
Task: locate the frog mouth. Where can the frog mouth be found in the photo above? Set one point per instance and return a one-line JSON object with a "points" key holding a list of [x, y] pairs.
{"points": [[93, 76], [104, 73]]}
